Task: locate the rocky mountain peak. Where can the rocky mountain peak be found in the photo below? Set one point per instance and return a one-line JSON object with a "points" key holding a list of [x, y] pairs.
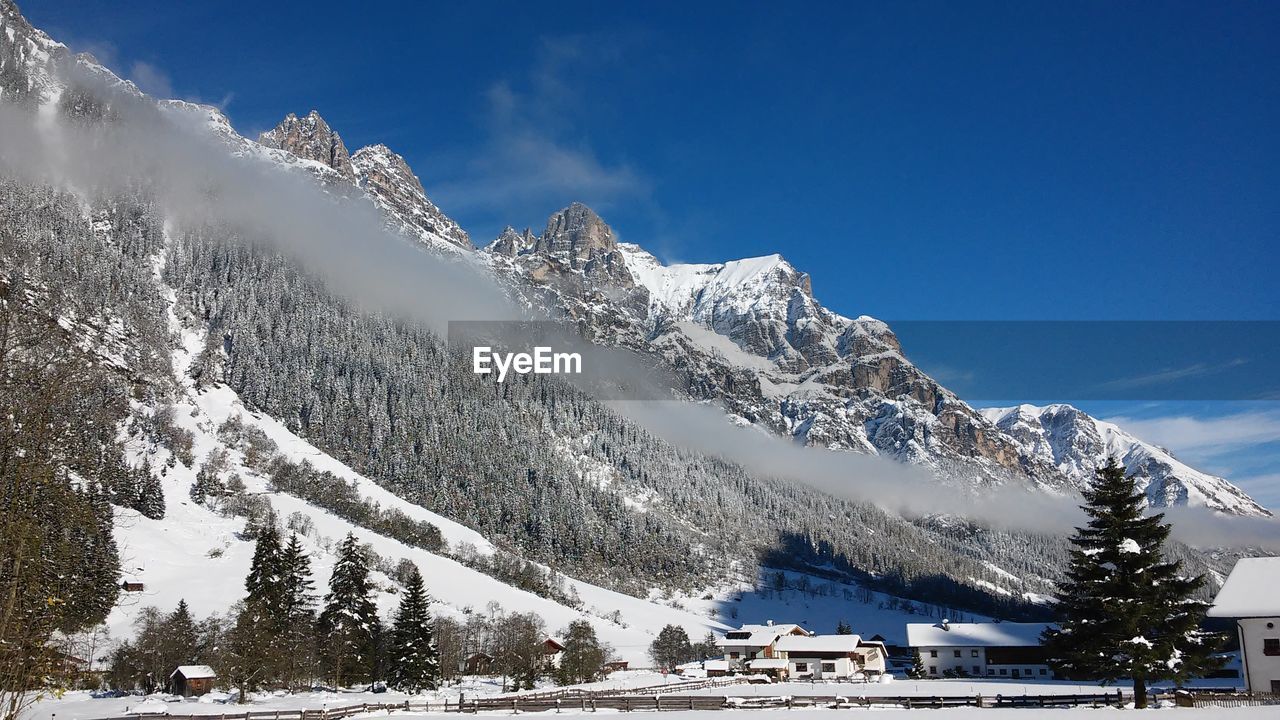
{"points": [[311, 138], [387, 177], [511, 243], [576, 232]]}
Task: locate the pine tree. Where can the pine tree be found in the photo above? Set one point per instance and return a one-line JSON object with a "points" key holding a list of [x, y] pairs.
{"points": [[266, 580], [349, 626], [844, 628], [917, 671], [297, 633], [414, 661], [150, 501], [265, 608], [671, 647], [1125, 611]]}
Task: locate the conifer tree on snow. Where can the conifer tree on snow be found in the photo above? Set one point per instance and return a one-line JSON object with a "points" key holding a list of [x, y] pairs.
{"points": [[1126, 612], [414, 661], [348, 625], [917, 671], [266, 580], [298, 619], [150, 501], [844, 628]]}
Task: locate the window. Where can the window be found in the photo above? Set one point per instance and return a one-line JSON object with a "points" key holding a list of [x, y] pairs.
{"points": [[802, 667], [933, 653], [1043, 671], [933, 669], [1004, 671], [1271, 646], [828, 667], [733, 655], [973, 653], [977, 670], [957, 652], [991, 671]]}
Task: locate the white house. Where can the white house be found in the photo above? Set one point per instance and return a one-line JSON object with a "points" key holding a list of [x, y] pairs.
{"points": [[1251, 596], [1003, 649], [820, 657], [751, 642]]}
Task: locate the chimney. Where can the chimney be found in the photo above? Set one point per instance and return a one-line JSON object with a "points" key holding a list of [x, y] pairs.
{"points": [[946, 624], [769, 623]]}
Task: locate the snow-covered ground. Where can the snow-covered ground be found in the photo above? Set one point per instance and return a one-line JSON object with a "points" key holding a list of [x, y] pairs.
{"points": [[928, 688]]}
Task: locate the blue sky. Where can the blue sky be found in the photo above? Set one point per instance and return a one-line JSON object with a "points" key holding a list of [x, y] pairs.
{"points": [[921, 160]]}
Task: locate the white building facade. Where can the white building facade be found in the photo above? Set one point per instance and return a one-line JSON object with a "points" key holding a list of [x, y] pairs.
{"points": [[820, 657], [1251, 596], [999, 650], [751, 642]]}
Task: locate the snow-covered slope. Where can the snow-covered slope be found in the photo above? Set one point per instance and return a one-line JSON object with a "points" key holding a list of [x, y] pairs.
{"points": [[1075, 442], [197, 554]]}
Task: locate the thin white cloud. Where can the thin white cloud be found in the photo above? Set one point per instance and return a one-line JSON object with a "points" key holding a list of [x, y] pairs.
{"points": [[1171, 374], [535, 157], [1200, 435], [151, 79]]}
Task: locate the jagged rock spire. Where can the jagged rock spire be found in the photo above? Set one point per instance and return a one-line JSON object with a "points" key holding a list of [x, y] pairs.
{"points": [[311, 138], [576, 230]]}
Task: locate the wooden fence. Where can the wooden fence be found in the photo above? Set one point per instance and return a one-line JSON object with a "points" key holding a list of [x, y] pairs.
{"points": [[598, 700], [1225, 700]]}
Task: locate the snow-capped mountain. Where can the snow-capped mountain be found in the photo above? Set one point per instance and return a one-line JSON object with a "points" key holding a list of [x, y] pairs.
{"points": [[383, 175], [542, 475], [1072, 441], [751, 334]]}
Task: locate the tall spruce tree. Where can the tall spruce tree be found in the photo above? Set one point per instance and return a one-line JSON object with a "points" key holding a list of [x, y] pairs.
{"points": [[414, 661], [348, 625], [298, 618], [266, 580], [150, 500], [1125, 611]]}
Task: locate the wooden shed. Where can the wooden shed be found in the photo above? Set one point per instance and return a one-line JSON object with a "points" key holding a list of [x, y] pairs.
{"points": [[477, 664], [190, 680]]}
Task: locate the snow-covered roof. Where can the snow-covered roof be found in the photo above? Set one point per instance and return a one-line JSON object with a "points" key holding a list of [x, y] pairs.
{"points": [[767, 664], [1251, 590], [716, 665], [757, 635], [800, 644], [1004, 634], [195, 672]]}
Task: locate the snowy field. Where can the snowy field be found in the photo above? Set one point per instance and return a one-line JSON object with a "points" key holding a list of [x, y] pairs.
{"points": [[79, 706], [927, 688]]}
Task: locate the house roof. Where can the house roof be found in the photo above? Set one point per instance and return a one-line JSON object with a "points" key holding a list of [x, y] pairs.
{"points": [[767, 664], [1251, 590], [716, 665], [1003, 634], [195, 672], [756, 635], [800, 644], [553, 642]]}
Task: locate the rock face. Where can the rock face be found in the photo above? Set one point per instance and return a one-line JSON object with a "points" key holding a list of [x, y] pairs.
{"points": [[750, 334], [386, 177], [1072, 441], [311, 138], [379, 175]]}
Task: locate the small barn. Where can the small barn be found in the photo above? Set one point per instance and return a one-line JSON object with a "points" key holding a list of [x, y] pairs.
{"points": [[552, 651], [477, 664], [189, 680], [615, 666]]}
